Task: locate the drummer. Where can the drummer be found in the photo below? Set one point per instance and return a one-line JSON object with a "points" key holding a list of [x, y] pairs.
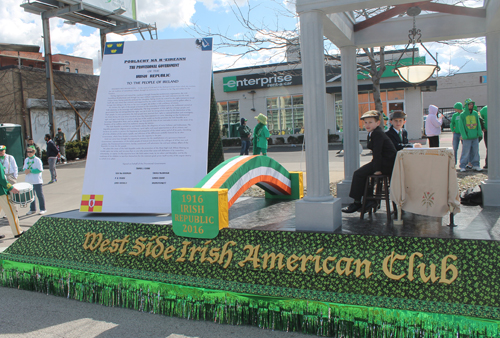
{"points": [[9, 165], [5, 204], [33, 168], [10, 168]]}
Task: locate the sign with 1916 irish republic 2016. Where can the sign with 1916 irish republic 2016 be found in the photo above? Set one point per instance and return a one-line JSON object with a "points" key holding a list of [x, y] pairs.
{"points": [[150, 126]]}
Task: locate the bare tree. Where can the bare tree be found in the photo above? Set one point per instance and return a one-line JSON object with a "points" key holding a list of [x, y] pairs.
{"points": [[375, 73], [258, 37], [274, 39]]}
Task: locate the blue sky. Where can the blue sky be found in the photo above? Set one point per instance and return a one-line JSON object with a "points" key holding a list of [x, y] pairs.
{"points": [[175, 19]]}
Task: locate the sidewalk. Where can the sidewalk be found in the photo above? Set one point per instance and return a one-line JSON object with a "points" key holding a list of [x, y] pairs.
{"points": [[64, 195]]}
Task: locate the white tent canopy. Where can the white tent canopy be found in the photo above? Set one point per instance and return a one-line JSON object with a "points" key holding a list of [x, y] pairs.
{"points": [[335, 20]]}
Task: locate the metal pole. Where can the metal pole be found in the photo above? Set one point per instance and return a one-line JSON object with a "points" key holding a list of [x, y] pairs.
{"points": [[103, 42], [49, 75]]}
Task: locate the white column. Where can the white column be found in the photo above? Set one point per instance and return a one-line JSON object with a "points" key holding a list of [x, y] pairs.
{"points": [[491, 187], [351, 120], [413, 109], [318, 211]]}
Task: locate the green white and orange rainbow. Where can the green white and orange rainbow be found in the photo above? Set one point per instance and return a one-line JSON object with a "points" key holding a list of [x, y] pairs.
{"points": [[241, 172]]}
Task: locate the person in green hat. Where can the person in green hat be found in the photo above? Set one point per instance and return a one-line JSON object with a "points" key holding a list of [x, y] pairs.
{"points": [[260, 135], [454, 123], [470, 131]]}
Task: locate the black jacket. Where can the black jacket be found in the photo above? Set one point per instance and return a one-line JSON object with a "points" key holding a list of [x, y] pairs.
{"points": [[384, 152], [394, 136], [51, 149]]}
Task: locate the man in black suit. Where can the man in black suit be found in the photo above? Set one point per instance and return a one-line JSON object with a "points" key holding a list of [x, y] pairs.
{"points": [[384, 155], [397, 134]]}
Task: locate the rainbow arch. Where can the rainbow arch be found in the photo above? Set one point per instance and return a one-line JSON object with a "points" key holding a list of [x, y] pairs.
{"points": [[241, 172]]}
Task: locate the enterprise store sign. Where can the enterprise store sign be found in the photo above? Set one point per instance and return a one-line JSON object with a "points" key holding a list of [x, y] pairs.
{"points": [[259, 81]]}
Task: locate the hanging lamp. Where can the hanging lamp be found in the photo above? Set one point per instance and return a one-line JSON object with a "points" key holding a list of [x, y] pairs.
{"points": [[415, 73]]}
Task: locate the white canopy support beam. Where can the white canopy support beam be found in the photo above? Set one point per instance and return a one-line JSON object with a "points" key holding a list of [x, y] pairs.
{"points": [[492, 16], [434, 27], [337, 6], [338, 29]]}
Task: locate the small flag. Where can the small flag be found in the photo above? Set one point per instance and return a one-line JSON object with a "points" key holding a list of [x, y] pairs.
{"points": [[113, 48], [91, 203]]}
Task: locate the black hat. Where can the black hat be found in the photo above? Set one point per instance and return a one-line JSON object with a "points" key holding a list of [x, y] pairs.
{"points": [[398, 114], [243, 120]]}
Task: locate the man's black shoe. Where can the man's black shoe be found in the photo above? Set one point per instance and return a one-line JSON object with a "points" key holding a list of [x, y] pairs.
{"points": [[353, 207], [2, 236], [17, 236]]}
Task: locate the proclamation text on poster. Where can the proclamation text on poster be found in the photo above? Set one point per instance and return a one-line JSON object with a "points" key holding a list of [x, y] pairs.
{"points": [[150, 127]]}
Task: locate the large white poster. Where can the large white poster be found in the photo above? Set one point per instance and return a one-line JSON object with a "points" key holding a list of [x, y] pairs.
{"points": [[150, 127]]}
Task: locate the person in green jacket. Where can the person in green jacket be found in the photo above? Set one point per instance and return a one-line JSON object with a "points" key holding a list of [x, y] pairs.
{"points": [[9, 209], [484, 115], [455, 120], [470, 131], [260, 135]]}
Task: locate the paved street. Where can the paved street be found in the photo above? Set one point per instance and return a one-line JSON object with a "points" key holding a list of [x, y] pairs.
{"points": [[30, 314]]}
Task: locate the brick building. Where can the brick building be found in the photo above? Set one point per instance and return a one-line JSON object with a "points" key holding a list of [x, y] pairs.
{"points": [[60, 62], [74, 64], [24, 100]]}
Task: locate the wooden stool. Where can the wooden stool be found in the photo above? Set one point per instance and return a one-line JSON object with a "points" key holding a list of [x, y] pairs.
{"points": [[381, 185]]}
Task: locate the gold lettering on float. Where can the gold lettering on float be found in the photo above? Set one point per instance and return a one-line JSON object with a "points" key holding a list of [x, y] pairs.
{"points": [[347, 270], [290, 261], [204, 252], [94, 236], [359, 265], [388, 270], [115, 245], [159, 247], [193, 209], [228, 252], [124, 241], [167, 253], [194, 249], [317, 258], [445, 269], [325, 265], [214, 253], [272, 256], [149, 245], [412, 264], [304, 259], [183, 251], [156, 246], [104, 245], [139, 246], [253, 256], [432, 275]]}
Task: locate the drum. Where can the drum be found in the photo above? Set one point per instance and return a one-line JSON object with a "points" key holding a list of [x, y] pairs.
{"points": [[25, 195]]}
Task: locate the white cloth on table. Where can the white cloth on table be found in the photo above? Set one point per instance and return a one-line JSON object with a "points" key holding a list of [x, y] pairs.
{"points": [[424, 181]]}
